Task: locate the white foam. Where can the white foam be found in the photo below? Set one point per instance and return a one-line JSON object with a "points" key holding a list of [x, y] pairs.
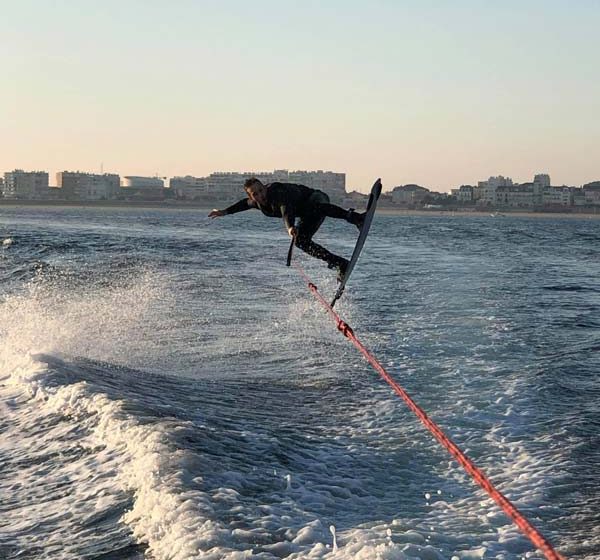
{"points": [[174, 515], [166, 513], [172, 510]]}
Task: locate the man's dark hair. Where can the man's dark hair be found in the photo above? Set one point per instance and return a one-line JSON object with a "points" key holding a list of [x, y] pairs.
{"points": [[251, 182]]}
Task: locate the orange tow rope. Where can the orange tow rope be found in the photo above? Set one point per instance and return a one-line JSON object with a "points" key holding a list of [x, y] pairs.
{"points": [[517, 517]]}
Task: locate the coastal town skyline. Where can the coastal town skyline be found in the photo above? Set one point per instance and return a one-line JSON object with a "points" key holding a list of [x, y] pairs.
{"points": [[351, 183], [103, 169], [494, 192]]}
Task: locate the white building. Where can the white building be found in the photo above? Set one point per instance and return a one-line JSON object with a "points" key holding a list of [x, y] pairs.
{"points": [[515, 196], [464, 194], [220, 186], [333, 184], [541, 183], [142, 188], [591, 192], [229, 186], [188, 187], [578, 197], [542, 179], [557, 196], [133, 181], [25, 185], [355, 199], [503, 192], [488, 188], [477, 193], [78, 185], [409, 194]]}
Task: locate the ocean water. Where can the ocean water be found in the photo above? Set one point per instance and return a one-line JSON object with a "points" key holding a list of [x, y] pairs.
{"points": [[170, 390]]}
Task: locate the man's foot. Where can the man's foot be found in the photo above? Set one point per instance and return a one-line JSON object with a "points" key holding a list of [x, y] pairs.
{"points": [[356, 218], [342, 266]]}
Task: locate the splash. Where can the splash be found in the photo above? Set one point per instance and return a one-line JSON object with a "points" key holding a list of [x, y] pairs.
{"points": [[93, 318]]}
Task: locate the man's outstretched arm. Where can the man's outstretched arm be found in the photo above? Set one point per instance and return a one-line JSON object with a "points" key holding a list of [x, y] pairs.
{"points": [[244, 204]]}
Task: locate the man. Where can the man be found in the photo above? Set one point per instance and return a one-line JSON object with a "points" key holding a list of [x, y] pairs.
{"points": [[290, 201]]}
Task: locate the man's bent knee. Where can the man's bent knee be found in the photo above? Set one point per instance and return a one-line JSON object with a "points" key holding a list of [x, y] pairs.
{"points": [[302, 242]]}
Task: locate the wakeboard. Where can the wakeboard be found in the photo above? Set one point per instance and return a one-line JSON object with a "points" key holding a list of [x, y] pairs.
{"points": [[364, 231]]}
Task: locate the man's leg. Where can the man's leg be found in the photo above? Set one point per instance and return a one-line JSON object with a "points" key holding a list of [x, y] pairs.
{"points": [[333, 211], [307, 227], [323, 206]]}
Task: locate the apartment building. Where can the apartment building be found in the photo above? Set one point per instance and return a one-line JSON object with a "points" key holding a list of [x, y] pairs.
{"points": [[25, 185]]}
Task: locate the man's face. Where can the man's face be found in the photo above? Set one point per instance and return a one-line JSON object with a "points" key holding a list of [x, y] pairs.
{"points": [[257, 193]]}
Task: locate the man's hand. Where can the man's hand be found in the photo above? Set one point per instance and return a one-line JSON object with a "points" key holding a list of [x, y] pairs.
{"points": [[292, 231], [216, 213]]}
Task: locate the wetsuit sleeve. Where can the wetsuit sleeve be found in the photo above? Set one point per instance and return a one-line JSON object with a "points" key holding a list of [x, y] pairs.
{"points": [[289, 216], [244, 204]]}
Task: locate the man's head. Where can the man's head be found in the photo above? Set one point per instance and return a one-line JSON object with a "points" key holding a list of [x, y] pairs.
{"points": [[255, 190]]}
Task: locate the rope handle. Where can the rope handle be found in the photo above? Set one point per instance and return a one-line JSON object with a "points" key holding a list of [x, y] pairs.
{"points": [[290, 251]]}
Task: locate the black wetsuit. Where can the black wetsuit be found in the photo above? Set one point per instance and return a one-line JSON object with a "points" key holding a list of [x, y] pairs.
{"points": [[290, 201]]}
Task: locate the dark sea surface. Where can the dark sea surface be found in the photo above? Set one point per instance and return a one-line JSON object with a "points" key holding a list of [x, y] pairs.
{"points": [[170, 390]]}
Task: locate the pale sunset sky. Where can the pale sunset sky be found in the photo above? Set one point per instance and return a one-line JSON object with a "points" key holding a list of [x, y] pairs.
{"points": [[439, 93]]}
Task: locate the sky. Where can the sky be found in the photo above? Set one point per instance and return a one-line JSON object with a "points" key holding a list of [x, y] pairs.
{"points": [[435, 92]]}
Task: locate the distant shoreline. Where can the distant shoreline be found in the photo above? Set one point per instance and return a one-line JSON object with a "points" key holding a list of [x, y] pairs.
{"points": [[174, 205]]}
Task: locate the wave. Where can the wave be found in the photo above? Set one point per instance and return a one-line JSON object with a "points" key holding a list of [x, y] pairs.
{"points": [[104, 456], [114, 474], [75, 426], [139, 455]]}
